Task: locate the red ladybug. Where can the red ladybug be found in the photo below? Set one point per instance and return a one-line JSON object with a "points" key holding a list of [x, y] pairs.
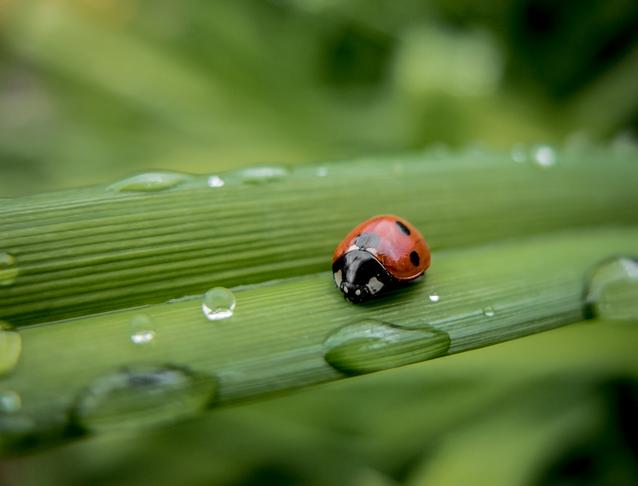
{"points": [[382, 252]]}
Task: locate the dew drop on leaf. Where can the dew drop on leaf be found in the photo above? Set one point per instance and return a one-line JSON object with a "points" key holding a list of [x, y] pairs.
{"points": [[519, 154], [262, 174], [10, 402], [141, 329], [218, 303], [544, 156], [215, 181], [489, 311], [612, 290], [141, 397], [10, 348], [372, 345], [8, 269], [149, 182]]}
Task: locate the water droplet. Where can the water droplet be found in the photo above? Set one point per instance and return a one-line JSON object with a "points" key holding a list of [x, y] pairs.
{"points": [[215, 181], [141, 397], [434, 297], [262, 174], [141, 328], [10, 402], [149, 181], [489, 311], [10, 348], [544, 156], [372, 345], [624, 143], [219, 303], [322, 172], [8, 269], [519, 154], [397, 168], [612, 291]]}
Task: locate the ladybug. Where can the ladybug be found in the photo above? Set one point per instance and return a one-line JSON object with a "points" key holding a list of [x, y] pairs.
{"points": [[381, 253]]}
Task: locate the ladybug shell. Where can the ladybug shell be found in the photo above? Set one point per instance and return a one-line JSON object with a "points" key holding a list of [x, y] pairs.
{"points": [[398, 245]]}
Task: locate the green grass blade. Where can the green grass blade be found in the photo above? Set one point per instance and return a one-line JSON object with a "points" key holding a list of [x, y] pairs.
{"points": [[93, 250], [277, 337]]}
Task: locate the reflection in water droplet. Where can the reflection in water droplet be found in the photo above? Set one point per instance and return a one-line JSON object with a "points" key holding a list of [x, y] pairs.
{"points": [[141, 329], [215, 181], [434, 297], [8, 269], [141, 397], [262, 174], [10, 402], [372, 345], [489, 311], [612, 290], [219, 303], [10, 348], [544, 156], [149, 181]]}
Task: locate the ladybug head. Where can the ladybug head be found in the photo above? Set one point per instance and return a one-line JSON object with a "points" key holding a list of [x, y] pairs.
{"points": [[359, 275]]}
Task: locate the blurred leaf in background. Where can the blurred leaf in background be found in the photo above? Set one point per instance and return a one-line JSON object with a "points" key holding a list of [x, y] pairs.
{"points": [[91, 90]]}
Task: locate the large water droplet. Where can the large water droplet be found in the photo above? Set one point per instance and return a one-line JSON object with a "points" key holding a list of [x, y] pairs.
{"points": [[372, 345], [8, 269], [219, 303], [10, 348], [262, 174], [612, 291], [142, 397], [141, 329], [150, 181], [544, 156], [10, 402]]}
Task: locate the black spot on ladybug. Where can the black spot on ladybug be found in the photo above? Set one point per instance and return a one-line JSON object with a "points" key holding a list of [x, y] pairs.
{"points": [[414, 258], [367, 240], [404, 229]]}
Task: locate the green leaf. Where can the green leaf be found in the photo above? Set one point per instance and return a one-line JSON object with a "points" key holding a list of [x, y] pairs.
{"points": [[88, 251]]}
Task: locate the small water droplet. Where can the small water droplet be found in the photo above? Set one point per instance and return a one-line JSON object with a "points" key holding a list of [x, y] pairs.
{"points": [[544, 156], [219, 303], [141, 329], [397, 168], [262, 174], [489, 311], [149, 182], [10, 348], [141, 397], [372, 345], [215, 181], [10, 402], [434, 297], [624, 143], [322, 172], [519, 154], [8, 269], [612, 290]]}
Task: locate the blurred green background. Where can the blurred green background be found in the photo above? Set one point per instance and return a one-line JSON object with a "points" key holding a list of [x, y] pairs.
{"points": [[93, 90]]}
